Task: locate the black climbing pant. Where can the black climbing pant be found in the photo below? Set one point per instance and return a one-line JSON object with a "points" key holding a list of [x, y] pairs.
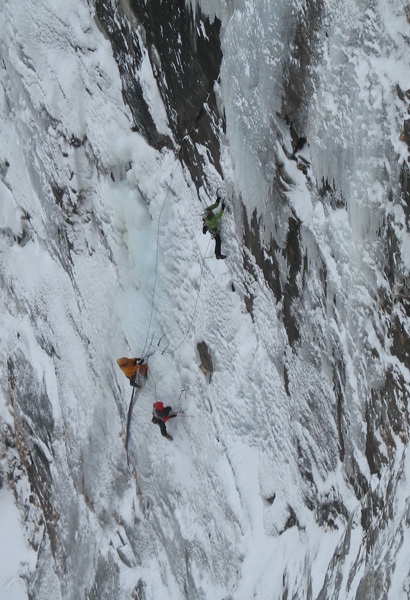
{"points": [[217, 239], [163, 428]]}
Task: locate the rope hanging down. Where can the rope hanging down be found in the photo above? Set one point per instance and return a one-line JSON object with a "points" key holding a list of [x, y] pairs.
{"points": [[156, 262], [136, 390], [135, 393], [133, 400], [195, 308], [186, 137], [155, 282]]}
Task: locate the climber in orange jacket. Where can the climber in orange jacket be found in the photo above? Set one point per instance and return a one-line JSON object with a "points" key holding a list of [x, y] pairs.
{"points": [[131, 367]]}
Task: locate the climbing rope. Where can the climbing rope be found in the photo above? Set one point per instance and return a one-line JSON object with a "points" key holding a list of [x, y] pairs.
{"points": [[144, 353], [156, 261], [196, 304], [146, 345], [136, 390], [133, 400]]}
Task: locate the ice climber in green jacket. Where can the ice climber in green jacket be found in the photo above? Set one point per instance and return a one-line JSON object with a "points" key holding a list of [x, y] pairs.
{"points": [[210, 220]]}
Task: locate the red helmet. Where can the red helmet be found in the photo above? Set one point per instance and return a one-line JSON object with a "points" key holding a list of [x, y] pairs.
{"points": [[158, 405]]}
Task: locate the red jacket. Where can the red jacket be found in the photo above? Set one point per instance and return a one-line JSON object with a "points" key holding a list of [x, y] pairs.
{"points": [[161, 412]]}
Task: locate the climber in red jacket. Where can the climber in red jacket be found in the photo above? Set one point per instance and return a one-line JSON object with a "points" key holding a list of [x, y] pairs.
{"points": [[161, 414]]}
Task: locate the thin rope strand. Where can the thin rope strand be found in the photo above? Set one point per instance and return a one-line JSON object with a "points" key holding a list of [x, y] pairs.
{"points": [[156, 260], [196, 302]]}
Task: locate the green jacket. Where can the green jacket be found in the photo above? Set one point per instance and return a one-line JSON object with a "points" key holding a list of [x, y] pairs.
{"points": [[211, 219]]}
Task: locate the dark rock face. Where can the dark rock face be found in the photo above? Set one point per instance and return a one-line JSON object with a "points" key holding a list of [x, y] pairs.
{"points": [[34, 421], [31, 403], [128, 55], [284, 285], [298, 84], [185, 56]]}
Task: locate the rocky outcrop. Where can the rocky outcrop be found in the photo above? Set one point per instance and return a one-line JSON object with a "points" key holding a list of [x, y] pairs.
{"points": [[185, 56]]}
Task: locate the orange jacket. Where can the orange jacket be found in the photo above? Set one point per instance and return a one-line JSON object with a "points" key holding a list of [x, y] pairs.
{"points": [[129, 366]]}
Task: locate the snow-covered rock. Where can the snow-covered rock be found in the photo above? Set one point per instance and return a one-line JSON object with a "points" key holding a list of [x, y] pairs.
{"points": [[287, 474]]}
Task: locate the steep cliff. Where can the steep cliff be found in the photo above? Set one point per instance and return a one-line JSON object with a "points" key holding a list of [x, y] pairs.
{"points": [[287, 476]]}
